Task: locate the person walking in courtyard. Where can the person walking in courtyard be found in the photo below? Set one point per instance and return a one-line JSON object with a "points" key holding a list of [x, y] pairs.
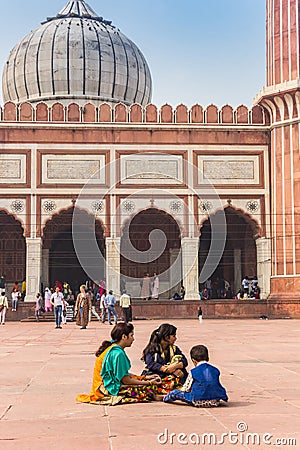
{"points": [[93, 311], [15, 295], [83, 306], [200, 315], [23, 289], [38, 306], [202, 387], [2, 283], [47, 297], [102, 306], [3, 307], [64, 311], [125, 303], [110, 302], [57, 300]]}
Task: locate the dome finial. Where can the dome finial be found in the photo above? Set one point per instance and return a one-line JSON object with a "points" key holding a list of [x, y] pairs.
{"points": [[78, 8]]}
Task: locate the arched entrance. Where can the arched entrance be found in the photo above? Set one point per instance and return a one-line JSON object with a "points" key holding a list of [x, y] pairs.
{"points": [[12, 248], [60, 261], [239, 256], [137, 230]]}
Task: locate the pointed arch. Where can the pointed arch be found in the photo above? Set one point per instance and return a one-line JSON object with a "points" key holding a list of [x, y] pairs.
{"points": [[239, 257], [12, 247], [63, 263], [137, 230]]}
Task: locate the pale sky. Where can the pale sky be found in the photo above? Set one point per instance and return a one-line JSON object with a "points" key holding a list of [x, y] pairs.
{"points": [[198, 51]]}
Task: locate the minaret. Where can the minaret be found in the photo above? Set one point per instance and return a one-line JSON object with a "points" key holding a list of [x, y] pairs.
{"points": [[281, 97]]}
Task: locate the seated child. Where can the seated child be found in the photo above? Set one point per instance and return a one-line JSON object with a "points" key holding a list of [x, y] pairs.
{"points": [[202, 387]]}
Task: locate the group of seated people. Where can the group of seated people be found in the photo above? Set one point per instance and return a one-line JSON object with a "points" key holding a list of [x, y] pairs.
{"points": [[164, 378]]}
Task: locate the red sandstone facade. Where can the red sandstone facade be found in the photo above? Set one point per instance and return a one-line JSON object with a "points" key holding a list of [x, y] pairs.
{"points": [[251, 154], [281, 99]]}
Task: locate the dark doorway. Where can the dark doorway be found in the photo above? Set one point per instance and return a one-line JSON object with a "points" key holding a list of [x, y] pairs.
{"points": [[63, 261], [239, 256], [138, 231], [12, 249]]}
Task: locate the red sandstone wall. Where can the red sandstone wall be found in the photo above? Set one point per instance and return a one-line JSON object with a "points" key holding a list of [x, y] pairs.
{"points": [[120, 113], [282, 41]]}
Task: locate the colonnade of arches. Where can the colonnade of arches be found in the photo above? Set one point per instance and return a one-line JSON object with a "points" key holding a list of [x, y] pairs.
{"points": [[60, 262]]}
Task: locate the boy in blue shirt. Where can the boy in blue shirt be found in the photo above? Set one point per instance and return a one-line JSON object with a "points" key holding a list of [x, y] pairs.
{"points": [[202, 387]]}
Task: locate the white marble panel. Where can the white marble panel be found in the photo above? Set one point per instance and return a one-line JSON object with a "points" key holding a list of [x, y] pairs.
{"points": [[151, 169], [229, 169], [72, 169], [12, 169]]}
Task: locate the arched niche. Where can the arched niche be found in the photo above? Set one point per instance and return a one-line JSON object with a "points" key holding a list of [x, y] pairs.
{"points": [[61, 260], [239, 257], [12, 248], [135, 244]]}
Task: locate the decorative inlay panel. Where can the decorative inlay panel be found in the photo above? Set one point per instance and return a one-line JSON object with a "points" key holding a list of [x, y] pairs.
{"points": [[18, 206], [12, 169], [151, 169], [73, 169], [227, 169]]}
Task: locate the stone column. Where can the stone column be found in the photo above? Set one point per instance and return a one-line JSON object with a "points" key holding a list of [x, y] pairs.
{"points": [[175, 271], [33, 268], [237, 261], [113, 267], [264, 265], [189, 248], [45, 267]]}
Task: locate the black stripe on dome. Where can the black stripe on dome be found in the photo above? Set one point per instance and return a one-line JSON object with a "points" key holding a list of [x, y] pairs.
{"points": [[24, 66], [137, 70], [85, 8], [52, 58], [68, 56], [127, 65], [115, 62], [100, 62], [37, 59], [145, 72], [14, 71], [83, 59]]}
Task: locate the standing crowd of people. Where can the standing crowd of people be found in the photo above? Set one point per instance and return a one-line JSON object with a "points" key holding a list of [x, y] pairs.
{"points": [[17, 294], [219, 288], [91, 300]]}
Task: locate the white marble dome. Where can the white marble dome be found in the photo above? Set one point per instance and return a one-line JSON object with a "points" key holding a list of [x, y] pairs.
{"points": [[76, 56]]}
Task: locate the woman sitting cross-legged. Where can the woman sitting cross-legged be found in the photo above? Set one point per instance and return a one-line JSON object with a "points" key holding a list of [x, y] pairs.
{"points": [[162, 357], [112, 382]]}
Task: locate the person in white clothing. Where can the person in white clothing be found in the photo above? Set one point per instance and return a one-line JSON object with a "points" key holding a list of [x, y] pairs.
{"points": [[57, 300], [3, 307], [64, 312], [155, 287], [102, 306], [125, 303], [93, 310], [15, 295]]}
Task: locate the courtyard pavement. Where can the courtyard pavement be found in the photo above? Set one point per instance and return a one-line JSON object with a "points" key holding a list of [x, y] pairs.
{"points": [[43, 369]]}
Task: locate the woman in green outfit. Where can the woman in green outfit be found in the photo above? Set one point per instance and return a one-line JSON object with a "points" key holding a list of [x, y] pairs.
{"points": [[112, 382]]}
